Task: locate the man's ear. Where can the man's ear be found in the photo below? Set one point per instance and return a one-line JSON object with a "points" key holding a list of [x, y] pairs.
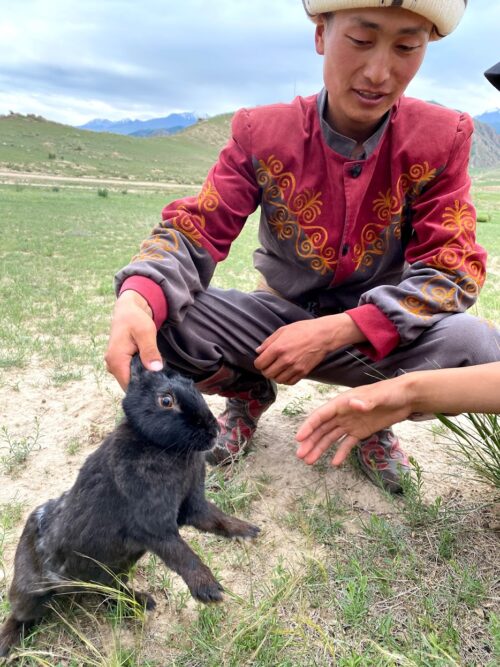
{"points": [[319, 38]]}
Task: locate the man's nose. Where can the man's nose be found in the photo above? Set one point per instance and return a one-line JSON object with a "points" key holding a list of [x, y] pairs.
{"points": [[378, 68]]}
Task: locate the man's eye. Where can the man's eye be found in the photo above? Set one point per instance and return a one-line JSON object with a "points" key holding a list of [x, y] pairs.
{"points": [[359, 42], [406, 48], [166, 401]]}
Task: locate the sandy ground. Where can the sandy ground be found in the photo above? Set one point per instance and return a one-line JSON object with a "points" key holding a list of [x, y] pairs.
{"points": [[78, 415], [8, 177]]}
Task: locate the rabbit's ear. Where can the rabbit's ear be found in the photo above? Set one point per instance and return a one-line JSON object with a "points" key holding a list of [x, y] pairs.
{"points": [[136, 367], [169, 371]]}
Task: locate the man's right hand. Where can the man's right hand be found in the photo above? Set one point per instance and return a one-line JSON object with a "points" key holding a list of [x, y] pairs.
{"points": [[132, 331]]}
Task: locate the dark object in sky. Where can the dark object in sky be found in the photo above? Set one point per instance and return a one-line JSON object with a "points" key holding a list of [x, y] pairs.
{"points": [[493, 75]]}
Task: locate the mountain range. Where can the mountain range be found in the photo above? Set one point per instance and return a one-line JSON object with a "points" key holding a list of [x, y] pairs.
{"points": [[174, 122], [490, 118]]}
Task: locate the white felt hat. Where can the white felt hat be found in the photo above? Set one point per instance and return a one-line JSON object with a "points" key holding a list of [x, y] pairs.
{"points": [[444, 14]]}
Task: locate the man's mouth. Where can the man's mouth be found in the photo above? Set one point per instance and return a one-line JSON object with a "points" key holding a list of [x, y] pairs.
{"points": [[368, 95]]}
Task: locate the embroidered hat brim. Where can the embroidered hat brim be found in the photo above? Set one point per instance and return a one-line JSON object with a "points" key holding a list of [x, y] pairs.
{"points": [[444, 14]]}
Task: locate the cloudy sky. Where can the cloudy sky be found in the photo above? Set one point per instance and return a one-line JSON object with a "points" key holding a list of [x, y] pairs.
{"points": [[72, 61]]}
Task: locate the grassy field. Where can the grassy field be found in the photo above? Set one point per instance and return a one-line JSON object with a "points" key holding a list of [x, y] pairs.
{"points": [[60, 250], [411, 582]]}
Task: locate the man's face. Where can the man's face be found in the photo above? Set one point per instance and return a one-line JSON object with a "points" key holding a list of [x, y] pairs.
{"points": [[371, 55]]}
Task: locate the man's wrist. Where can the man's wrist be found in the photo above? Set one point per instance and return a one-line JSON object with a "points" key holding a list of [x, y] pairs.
{"points": [[131, 296], [351, 333]]}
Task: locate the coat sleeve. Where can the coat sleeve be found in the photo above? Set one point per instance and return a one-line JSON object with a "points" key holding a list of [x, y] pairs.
{"points": [[444, 269], [179, 257]]}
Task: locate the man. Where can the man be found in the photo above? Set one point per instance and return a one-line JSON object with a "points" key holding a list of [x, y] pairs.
{"points": [[357, 413], [367, 244]]}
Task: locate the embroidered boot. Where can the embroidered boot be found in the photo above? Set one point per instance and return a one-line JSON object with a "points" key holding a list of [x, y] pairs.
{"points": [[383, 461], [248, 397]]}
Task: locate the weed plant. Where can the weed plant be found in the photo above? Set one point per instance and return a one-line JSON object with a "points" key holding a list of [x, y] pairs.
{"points": [[475, 441], [296, 406], [18, 449]]}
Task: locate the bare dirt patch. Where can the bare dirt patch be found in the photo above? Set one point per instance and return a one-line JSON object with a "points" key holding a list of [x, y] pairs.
{"points": [[73, 418]]}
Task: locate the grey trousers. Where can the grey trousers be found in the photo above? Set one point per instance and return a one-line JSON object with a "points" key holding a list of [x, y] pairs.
{"points": [[223, 327]]}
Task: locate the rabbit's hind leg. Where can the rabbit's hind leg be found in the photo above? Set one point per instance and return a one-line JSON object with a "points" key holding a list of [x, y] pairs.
{"points": [[144, 599], [10, 634], [26, 610]]}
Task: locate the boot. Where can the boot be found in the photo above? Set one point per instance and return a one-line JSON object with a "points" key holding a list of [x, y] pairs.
{"points": [[383, 461], [248, 397]]}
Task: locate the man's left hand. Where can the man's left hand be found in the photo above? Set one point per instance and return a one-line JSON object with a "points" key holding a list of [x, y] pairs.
{"points": [[292, 351]]}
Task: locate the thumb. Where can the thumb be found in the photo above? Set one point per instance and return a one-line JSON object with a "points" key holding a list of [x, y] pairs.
{"points": [[145, 339], [151, 357]]}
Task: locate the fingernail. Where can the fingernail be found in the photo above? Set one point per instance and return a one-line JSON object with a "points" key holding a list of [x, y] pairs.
{"points": [[156, 366]]}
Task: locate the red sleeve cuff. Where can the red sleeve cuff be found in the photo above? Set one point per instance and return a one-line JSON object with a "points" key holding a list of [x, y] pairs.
{"points": [[381, 334], [153, 294]]}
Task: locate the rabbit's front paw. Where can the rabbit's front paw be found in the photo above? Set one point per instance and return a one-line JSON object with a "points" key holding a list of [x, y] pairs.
{"points": [[206, 589], [242, 529]]}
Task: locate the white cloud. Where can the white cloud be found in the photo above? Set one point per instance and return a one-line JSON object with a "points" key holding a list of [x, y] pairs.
{"points": [[69, 59]]}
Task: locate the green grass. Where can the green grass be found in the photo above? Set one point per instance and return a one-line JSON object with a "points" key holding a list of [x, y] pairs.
{"points": [[475, 441], [58, 257]]}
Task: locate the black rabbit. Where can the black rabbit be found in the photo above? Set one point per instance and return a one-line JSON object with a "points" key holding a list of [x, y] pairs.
{"points": [[144, 481]]}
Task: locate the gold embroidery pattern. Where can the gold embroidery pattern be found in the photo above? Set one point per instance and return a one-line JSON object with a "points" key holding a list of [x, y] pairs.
{"points": [[156, 246], [388, 207], [457, 256], [292, 214], [437, 298], [185, 221]]}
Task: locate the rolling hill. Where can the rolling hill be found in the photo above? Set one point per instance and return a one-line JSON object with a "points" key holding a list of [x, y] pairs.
{"points": [[33, 144]]}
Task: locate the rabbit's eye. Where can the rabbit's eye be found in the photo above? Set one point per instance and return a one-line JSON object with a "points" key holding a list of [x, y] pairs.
{"points": [[167, 401]]}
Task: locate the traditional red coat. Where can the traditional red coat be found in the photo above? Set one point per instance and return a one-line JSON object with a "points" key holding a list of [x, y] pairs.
{"points": [[389, 239]]}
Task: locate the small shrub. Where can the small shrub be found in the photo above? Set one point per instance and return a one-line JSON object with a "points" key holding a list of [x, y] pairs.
{"points": [[102, 192], [18, 450], [475, 441], [295, 407], [483, 217], [52, 156]]}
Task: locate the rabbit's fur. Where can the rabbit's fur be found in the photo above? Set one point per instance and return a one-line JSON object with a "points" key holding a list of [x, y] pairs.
{"points": [[144, 481]]}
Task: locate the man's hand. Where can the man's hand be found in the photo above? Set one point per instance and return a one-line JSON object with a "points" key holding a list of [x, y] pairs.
{"points": [[132, 330], [291, 352]]}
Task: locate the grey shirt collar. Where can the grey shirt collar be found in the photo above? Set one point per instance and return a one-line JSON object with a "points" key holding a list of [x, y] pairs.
{"points": [[344, 145]]}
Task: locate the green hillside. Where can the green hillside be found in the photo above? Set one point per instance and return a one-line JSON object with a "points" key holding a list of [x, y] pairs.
{"points": [[33, 144]]}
